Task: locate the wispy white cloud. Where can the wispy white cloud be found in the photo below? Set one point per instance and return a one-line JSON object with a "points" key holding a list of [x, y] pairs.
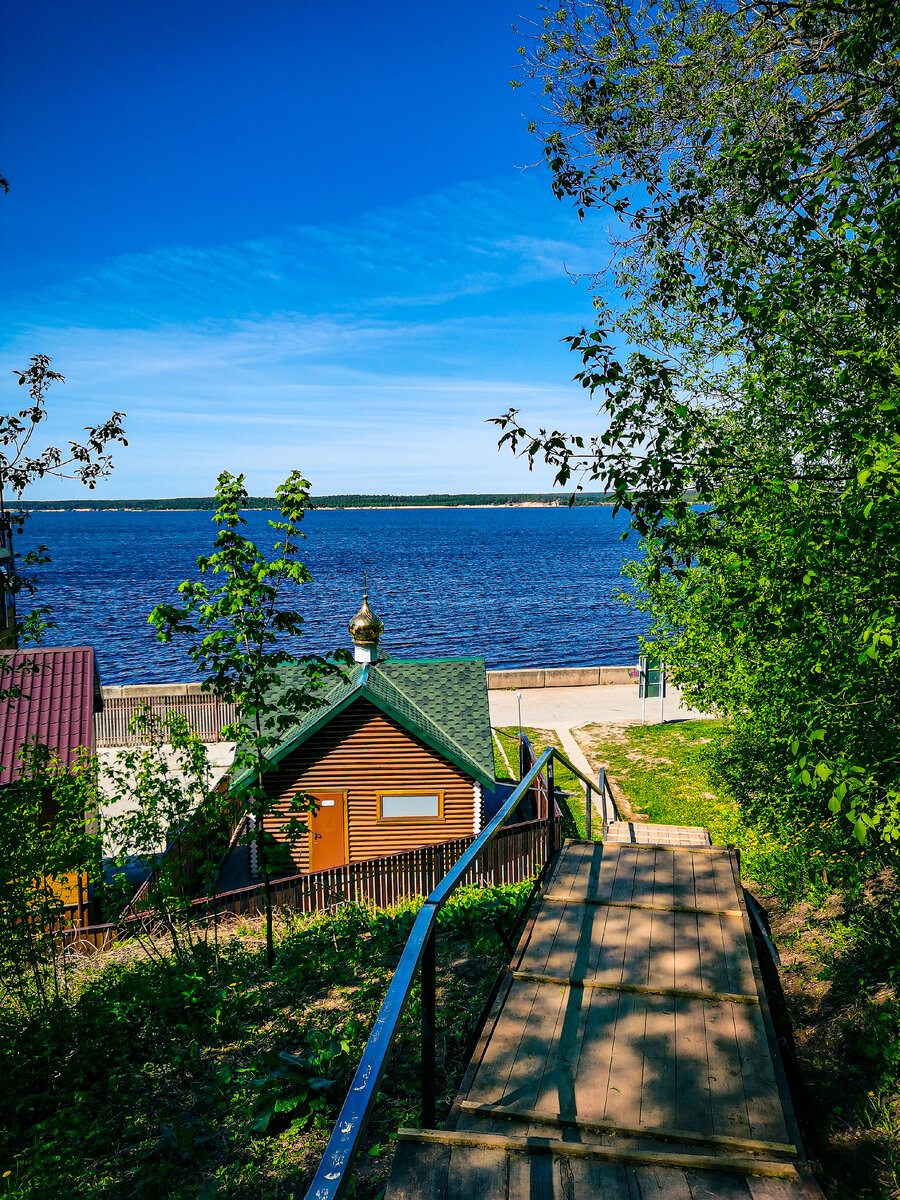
{"points": [[472, 240], [373, 352]]}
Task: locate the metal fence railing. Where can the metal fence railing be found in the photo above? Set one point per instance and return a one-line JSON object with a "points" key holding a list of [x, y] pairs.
{"points": [[205, 711]]}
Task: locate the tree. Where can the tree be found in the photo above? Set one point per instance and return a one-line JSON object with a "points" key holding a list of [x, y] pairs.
{"points": [[47, 844], [749, 157], [239, 630], [86, 461], [158, 807]]}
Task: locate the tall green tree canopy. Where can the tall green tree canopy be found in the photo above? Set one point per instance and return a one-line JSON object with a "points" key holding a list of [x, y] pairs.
{"points": [[746, 158]]}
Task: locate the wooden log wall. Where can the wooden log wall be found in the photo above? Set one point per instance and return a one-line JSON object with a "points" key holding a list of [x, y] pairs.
{"points": [[362, 752]]}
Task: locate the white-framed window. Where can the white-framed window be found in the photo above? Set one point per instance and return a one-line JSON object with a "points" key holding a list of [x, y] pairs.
{"points": [[410, 806]]}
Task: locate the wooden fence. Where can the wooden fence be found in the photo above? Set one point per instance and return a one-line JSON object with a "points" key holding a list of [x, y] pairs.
{"points": [[206, 712], [517, 853]]}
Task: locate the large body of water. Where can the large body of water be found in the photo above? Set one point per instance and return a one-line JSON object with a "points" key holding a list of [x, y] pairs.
{"points": [[520, 586]]}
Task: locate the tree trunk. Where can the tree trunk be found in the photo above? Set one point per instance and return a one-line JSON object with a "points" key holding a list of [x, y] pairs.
{"points": [[267, 886]]}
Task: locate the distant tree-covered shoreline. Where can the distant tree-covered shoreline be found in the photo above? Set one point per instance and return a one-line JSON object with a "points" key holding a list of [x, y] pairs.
{"points": [[437, 500]]}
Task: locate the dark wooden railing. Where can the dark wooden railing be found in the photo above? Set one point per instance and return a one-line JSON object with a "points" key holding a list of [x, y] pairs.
{"points": [[517, 855]]}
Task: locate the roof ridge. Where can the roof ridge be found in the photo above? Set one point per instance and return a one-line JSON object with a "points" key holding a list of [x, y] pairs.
{"points": [[385, 686], [429, 722]]}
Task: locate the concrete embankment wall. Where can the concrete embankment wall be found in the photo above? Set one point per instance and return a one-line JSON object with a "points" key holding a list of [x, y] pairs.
{"points": [[540, 677], [128, 691], [208, 714], [526, 677]]}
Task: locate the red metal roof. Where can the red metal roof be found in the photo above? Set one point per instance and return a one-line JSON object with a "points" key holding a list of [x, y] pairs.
{"points": [[56, 705]]}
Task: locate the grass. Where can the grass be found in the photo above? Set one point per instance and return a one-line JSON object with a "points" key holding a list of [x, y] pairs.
{"points": [[681, 774], [214, 1076], [665, 770], [563, 778], [835, 923]]}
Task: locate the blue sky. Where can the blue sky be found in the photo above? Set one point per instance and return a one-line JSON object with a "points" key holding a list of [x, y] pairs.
{"points": [[286, 235]]}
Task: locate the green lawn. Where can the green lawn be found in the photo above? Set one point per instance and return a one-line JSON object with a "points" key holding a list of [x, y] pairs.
{"points": [[665, 771], [563, 778], [674, 775]]}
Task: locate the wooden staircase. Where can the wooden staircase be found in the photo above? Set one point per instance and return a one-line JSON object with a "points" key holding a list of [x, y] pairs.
{"points": [[630, 1053]]}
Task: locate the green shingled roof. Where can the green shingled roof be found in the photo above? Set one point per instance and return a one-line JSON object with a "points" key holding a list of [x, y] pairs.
{"points": [[442, 701]]}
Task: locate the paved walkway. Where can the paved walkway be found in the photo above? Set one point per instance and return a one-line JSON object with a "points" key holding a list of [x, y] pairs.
{"points": [[563, 709], [572, 707], [575, 754], [630, 1052]]}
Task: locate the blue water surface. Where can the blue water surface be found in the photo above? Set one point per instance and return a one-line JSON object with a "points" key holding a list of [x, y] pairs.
{"points": [[519, 586]]}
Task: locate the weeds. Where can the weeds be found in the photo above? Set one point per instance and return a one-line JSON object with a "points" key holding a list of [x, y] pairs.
{"points": [[214, 1076]]}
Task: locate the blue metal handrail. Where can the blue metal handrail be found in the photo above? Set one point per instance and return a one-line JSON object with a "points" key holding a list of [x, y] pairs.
{"points": [[333, 1173]]}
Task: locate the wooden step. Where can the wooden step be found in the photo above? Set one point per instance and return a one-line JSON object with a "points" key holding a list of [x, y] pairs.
{"points": [[734, 1164], [556, 898], [643, 833], [683, 1136], [639, 989]]}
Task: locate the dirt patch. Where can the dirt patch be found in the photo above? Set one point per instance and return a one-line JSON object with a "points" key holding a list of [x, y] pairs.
{"points": [[592, 739], [852, 1127]]}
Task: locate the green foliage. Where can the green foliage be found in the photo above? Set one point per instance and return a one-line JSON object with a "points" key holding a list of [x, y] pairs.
{"points": [[749, 156], [691, 773], [212, 1074], [21, 465], [159, 807], [239, 630], [47, 845], [294, 1088]]}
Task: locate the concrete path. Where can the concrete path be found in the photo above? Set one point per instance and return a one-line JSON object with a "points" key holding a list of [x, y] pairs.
{"points": [[572, 707], [575, 754], [563, 709]]}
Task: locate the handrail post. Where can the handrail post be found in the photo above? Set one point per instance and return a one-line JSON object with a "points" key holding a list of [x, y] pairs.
{"points": [[418, 958], [429, 1049], [551, 812], [603, 797], [587, 812], [524, 768]]}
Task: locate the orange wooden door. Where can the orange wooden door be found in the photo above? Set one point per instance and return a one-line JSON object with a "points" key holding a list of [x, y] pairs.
{"points": [[327, 831]]}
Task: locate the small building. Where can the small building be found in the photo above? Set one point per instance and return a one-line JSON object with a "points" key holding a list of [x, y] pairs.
{"points": [[58, 694], [398, 756]]}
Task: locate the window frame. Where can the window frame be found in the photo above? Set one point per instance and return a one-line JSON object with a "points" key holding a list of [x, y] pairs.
{"points": [[407, 820]]}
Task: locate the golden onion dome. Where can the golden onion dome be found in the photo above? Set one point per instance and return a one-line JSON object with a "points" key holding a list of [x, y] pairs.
{"points": [[366, 628]]}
